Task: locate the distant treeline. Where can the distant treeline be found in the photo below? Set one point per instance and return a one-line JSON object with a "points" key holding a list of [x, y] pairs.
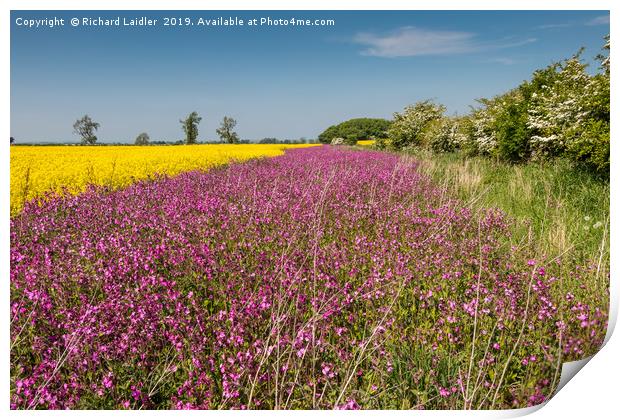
{"points": [[266, 140], [273, 140], [86, 128]]}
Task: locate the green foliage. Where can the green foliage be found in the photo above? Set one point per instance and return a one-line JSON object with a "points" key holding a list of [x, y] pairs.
{"points": [[596, 97], [356, 129], [85, 127], [561, 112], [143, 139], [592, 146], [226, 133], [408, 127], [326, 136], [190, 127], [512, 132], [560, 208]]}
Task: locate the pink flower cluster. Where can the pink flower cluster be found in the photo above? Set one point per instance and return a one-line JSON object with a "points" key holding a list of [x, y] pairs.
{"points": [[324, 278]]}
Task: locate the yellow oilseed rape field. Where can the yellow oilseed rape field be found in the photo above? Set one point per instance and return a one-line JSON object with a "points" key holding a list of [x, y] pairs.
{"points": [[365, 142], [37, 170]]}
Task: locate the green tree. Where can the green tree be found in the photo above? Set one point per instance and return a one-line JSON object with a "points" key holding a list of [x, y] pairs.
{"points": [[190, 127], [143, 139], [356, 129], [513, 134], [85, 127], [592, 146], [226, 133], [590, 141]]}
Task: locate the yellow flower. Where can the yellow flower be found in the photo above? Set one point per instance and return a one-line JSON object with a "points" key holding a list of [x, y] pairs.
{"points": [[38, 170], [365, 142]]}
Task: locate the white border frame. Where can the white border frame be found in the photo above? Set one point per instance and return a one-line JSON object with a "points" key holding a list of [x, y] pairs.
{"points": [[592, 393]]}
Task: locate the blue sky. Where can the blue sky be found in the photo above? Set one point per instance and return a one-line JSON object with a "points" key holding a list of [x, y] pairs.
{"points": [[277, 81]]}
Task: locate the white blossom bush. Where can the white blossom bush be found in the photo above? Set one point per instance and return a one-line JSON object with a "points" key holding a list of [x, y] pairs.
{"points": [[561, 111], [570, 116], [444, 135], [482, 138], [408, 127], [557, 111], [590, 141]]}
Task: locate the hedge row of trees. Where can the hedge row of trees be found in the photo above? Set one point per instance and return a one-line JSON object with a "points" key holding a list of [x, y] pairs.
{"points": [[85, 127], [561, 111]]}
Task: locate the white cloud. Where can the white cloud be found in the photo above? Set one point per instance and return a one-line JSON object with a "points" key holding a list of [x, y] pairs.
{"points": [[599, 20], [410, 41], [555, 25], [503, 60]]}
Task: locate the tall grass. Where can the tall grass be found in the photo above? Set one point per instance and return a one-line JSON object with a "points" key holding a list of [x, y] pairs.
{"points": [[566, 208], [560, 210]]}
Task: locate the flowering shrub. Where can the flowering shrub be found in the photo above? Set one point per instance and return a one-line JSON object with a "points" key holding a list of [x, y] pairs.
{"points": [[481, 138], [408, 127], [561, 111], [323, 278], [558, 108], [444, 135]]}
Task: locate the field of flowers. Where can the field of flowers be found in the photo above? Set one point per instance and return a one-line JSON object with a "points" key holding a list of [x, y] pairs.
{"points": [[39, 170], [323, 278]]}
